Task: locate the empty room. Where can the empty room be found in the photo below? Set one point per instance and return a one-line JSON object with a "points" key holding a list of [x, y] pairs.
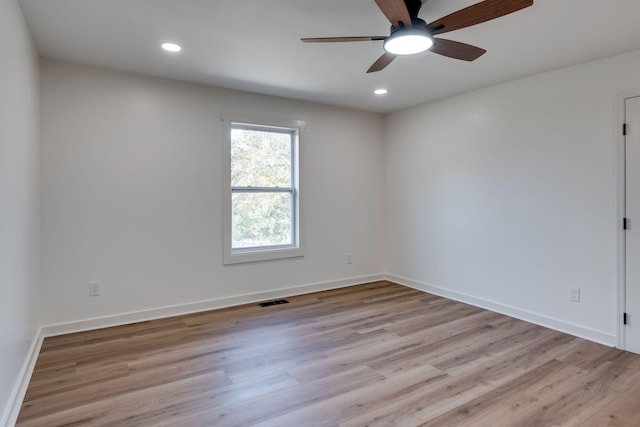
{"points": [[319, 213]]}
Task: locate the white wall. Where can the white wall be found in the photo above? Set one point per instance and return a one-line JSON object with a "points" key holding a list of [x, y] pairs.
{"points": [[19, 206], [507, 195], [503, 196], [132, 193]]}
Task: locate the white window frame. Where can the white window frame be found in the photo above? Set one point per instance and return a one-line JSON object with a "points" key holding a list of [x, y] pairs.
{"points": [[264, 253]]}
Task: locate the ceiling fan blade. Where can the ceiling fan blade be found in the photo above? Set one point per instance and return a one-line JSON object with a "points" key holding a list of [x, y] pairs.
{"points": [[456, 50], [341, 39], [476, 14], [382, 62], [396, 11]]}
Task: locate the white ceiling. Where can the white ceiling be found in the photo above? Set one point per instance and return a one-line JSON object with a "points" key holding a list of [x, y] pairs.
{"points": [[254, 45]]}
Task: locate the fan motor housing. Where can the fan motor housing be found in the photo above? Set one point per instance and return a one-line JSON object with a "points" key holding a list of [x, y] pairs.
{"points": [[416, 24]]}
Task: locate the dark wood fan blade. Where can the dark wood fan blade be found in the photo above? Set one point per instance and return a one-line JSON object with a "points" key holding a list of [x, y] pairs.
{"points": [[396, 12], [342, 39], [382, 62], [456, 50], [476, 14]]}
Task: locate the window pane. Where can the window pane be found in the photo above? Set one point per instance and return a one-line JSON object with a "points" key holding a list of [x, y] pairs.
{"points": [[260, 159], [260, 219]]}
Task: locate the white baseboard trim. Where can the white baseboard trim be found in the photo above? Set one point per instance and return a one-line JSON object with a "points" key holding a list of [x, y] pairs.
{"points": [[214, 304], [548, 322], [11, 412]]}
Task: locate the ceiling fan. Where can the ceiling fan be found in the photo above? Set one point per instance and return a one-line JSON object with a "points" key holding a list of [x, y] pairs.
{"points": [[410, 34]]}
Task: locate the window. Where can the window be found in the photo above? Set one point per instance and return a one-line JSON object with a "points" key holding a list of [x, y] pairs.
{"points": [[262, 200]]}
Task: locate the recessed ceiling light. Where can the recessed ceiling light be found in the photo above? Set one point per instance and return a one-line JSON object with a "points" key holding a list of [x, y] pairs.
{"points": [[380, 91], [171, 47]]}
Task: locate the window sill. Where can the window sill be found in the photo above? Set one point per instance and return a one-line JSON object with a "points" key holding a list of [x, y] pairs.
{"points": [[239, 257]]}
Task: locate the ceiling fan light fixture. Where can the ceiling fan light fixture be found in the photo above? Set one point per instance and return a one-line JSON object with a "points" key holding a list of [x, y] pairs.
{"points": [[408, 42]]}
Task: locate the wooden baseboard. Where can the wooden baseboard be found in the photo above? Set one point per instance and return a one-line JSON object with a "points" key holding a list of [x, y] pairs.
{"points": [[13, 406], [176, 310], [125, 318], [548, 322], [10, 414]]}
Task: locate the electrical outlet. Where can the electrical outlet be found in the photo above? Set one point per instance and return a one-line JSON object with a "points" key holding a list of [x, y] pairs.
{"points": [[94, 289], [349, 258], [574, 294]]}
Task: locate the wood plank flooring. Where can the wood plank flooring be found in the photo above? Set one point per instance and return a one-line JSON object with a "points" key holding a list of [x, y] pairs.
{"points": [[378, 354]]}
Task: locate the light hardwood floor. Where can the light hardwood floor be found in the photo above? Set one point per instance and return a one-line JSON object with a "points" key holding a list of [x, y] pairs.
{"points": [[378, 354]]}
